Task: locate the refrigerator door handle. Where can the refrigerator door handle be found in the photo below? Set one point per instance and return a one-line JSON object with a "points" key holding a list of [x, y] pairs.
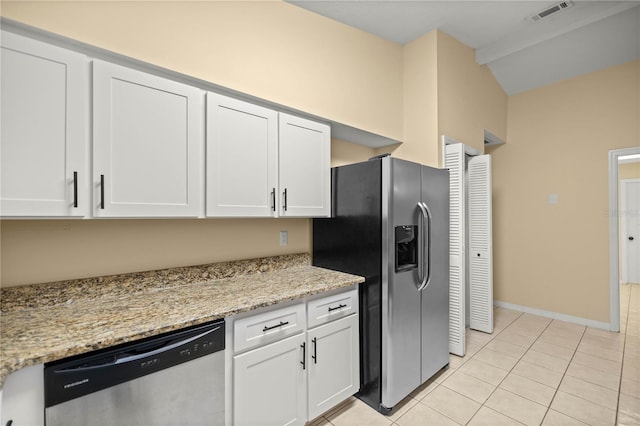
{"points": [[425, 247]]}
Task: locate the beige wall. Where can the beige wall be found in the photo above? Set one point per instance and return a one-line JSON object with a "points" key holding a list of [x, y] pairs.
{"points": [[470, 99], [343, 152], [555, 257], [420, 79], [629, 171], [447, 93], [51, 250], [269, 49]]}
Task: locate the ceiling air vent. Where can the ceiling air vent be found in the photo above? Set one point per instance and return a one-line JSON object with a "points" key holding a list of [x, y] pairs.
{"points": [[551, 10]]}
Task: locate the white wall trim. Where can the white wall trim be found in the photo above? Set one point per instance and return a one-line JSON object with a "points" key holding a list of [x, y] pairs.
{"points": [[614, 236], [468, 150], [554, 315]]}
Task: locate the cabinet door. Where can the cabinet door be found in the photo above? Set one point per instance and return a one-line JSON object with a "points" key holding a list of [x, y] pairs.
{"points": [[304, 154], [147, 145], [44, 114], [334, 364], [242, 158], [270, 384]]}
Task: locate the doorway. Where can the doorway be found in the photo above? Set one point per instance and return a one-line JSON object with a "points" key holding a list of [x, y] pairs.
{"points": [[629, 224], [615, 157]]}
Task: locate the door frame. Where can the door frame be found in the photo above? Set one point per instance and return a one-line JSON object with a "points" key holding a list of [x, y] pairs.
{"points": [[614, 236], [623, 227]]}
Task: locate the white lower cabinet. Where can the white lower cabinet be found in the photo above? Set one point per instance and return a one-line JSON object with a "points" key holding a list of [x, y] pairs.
{"points": [[334, 364], [291, 379], [270, 384]]}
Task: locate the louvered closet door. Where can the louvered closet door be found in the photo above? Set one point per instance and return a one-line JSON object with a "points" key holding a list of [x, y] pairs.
{"points": [[454, 161], [480, 244]]}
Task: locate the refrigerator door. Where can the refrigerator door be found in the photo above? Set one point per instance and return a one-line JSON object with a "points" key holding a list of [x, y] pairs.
{"points": [[401, 302], [435, 296]]}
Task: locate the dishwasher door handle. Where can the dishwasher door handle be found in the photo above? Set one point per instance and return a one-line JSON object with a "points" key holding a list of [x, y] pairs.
{"points": [[130, 358]]}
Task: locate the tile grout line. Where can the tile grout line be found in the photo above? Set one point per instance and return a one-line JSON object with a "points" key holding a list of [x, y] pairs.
{"points": [[562, 379], [493, 391], [624, 347], [439, 384], [527, 349], [519, 359], [456, 370], [508, 372]]}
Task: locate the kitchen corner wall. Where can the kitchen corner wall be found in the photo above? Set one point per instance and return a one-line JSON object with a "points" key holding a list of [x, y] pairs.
{"points": [[555, 257], [446, 93], [420, 77], [470, 99]]}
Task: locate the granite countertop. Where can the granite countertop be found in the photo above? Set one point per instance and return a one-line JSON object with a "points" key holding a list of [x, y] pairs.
{"points": [[46, 322]]}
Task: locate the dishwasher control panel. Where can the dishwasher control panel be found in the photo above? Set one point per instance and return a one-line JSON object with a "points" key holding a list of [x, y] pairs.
{"points": [[80, 375], [204, 346]]}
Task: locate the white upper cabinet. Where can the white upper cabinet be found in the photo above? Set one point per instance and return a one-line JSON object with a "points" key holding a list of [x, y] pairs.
{"points": [[44, 122], [242, 158], [148, 135], [304, 165], [261, 163], [148, 145]]}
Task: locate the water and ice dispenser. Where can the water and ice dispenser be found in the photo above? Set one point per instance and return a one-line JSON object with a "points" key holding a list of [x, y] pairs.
{"points": [[406, 245]]}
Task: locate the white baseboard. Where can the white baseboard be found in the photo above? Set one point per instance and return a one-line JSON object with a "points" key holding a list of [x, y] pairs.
{"points": [[554, 315]]}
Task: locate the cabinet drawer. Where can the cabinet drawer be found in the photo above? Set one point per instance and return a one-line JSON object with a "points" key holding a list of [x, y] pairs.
{"points": [[329, 308], [267, 327]]}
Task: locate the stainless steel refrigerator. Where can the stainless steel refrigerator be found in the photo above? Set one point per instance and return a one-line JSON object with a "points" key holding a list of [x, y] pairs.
{"points": [[390, 224]]}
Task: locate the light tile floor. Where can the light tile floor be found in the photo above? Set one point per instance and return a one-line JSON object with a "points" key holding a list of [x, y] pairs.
{"points": [[532, 370]]}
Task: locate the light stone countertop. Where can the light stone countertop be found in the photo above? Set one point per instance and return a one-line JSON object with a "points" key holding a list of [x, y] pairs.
{"points": [[45, 322]]}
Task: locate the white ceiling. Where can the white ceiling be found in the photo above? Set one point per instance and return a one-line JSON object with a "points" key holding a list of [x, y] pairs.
{"points": [[522, 54]]}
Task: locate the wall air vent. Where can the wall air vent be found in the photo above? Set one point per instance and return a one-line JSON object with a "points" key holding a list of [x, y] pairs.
{"points": [[551, 10]]}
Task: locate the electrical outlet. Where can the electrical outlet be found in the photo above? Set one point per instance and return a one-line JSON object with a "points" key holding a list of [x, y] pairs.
{"points": [[284, 238]]}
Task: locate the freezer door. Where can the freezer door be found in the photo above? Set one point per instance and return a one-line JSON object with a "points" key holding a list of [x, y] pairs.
{"points": [[435, 296], [401, 305]]}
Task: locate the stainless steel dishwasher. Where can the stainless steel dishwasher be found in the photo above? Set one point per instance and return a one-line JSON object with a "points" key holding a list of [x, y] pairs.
{"points": [[171, 379]]}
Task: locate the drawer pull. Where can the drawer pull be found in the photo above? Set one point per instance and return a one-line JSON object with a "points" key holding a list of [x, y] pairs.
{"points": [[275, 326], [340, 306]]}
